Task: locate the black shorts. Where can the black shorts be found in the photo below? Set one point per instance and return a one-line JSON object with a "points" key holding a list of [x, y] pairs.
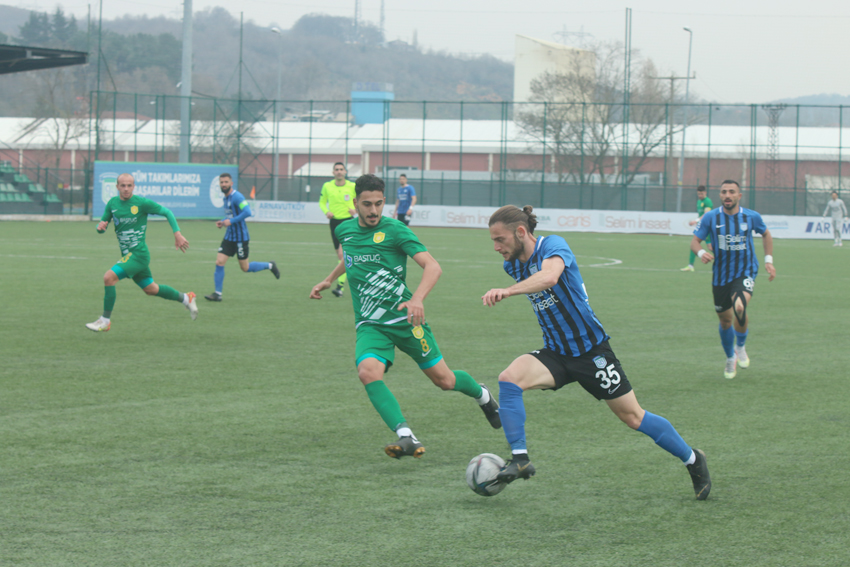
{"points": [[724, 294], [403, 218], [598, 371], [231, 248], [335, 223]]}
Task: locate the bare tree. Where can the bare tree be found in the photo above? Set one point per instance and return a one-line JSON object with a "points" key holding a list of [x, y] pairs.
{"points": [[60, 111], [580, 118]]}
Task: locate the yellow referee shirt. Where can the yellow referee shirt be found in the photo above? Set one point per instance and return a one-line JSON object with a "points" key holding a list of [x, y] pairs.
{"points": [[337, 199]]}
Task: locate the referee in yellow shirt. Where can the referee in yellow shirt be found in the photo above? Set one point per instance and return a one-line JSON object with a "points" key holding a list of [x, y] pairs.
{"points": [[337, 202]]}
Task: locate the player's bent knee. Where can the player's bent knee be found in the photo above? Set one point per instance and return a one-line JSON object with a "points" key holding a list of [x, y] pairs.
{"points": [[508, 376], [369, 374], [631, 420]]}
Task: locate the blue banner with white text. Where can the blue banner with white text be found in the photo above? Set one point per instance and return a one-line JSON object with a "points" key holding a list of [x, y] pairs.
{"points": [[190, 190]]}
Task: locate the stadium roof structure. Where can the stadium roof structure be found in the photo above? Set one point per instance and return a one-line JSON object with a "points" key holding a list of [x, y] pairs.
{"points": [[21, 58]]}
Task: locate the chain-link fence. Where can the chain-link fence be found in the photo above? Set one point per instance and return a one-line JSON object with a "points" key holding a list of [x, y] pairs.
{"points": [[563, 155]]}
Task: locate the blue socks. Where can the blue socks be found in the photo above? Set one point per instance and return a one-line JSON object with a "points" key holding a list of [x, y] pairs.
{"points": [[219, 278], [727, 339], [258, 266], [512, 412], [663, 433], [741, 337]]}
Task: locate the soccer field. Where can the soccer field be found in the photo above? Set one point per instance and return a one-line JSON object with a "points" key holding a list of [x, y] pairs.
{"points": [[245, 438]]}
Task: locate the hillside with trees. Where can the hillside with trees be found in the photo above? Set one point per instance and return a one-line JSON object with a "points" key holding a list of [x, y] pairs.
{"points": [[318, 59]]}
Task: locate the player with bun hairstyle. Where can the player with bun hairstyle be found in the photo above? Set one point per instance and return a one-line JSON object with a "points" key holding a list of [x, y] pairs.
{"points": [[575, 346]]}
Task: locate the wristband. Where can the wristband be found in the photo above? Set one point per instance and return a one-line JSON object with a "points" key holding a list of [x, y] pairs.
{"points": [[701, 253], [768, 259]]}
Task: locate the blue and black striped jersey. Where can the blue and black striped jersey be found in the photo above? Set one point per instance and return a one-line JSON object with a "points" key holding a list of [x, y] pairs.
{"points": [[569, 325], [237, 210], [734, 254]]}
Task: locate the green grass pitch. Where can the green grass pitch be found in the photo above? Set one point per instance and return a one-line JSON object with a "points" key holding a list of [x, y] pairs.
{"points": [[245, 439]]}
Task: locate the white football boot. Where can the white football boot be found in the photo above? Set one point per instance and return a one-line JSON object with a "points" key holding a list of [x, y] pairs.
{"points": [[101, 325]]}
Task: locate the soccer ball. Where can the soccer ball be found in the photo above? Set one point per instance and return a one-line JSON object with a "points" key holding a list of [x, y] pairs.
{"points": [[481, 474]]}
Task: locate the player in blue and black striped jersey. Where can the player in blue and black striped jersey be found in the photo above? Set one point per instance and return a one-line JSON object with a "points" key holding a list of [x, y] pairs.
{"points": [[575, 347], [731, 227], [236, 237]]}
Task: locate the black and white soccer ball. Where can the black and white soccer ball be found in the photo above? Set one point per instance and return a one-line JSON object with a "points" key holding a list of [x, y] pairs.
{"points": [[481, 474]]}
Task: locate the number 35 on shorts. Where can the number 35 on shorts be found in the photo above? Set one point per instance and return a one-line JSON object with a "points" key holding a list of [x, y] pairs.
{"points": [[607, 375]]}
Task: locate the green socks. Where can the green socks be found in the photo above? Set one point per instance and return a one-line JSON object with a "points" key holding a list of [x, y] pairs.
{"points": [[385, 404], [170, 293], [341, 279], [389, 410], [109, 296], [466, 384], [692, 258]]}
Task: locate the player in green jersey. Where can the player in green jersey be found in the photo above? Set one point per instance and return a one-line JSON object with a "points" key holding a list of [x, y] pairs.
{"points": [[703, 206], [130, 216], [389, 315]]}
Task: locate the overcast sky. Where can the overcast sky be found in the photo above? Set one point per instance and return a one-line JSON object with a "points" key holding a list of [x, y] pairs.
{"points": [[743, 51]]}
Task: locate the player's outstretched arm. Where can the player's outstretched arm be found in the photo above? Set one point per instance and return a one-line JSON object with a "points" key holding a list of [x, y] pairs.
{"points": [[767, 241], [316, 292], [550, 271], [180, 242]]}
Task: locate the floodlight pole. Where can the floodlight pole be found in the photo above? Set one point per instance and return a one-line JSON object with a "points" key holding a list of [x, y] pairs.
{"points": [[276, 164], [186, 85], [684, 122]]}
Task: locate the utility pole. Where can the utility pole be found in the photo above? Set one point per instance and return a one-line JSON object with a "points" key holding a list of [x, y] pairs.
{"points": [[672, 79], [186, 85], [383, 31], [565, 36], [773, 112], [685, 121]]}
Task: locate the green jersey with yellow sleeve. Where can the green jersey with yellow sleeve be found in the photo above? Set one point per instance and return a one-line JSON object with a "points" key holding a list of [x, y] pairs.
{"points": [[703, 206], [376, 263]]}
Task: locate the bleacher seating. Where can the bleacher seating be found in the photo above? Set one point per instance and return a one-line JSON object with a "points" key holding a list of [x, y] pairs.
{"points": [[20, 195]]}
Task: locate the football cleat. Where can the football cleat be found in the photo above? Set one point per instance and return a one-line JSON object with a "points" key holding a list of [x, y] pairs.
{"points": [[699, 475], [338, 291], [100, 326], [514, 469], [405, 447], [192, 307], [741, 355], [491, 410], [730, 370], [687, 268], [214, 296], [274, 270]]}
